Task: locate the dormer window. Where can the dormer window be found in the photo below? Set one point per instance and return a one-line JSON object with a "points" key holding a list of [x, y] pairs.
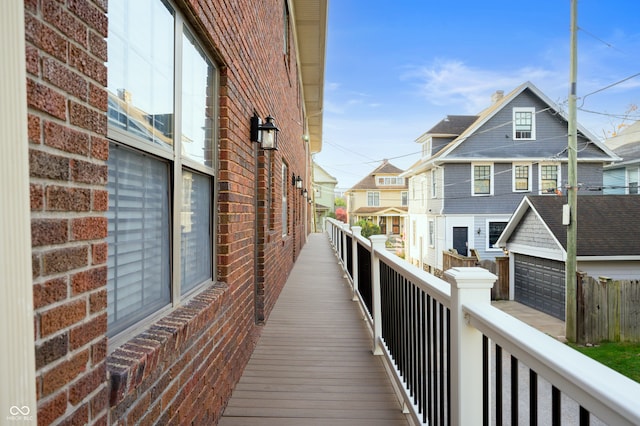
{"points": [[524, 123], [390, 181]]}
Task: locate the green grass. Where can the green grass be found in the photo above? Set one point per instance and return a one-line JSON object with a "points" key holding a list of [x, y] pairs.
{"points": [[622, 357]]}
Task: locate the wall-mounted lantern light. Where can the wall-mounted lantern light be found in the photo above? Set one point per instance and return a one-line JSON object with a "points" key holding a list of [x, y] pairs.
{"points": [[265, 133], [304, 193], [298, 182]]}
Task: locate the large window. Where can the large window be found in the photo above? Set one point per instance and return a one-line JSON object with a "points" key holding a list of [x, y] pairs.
{"points": [[524, 123], [495, 229], [549, 178], [373, 198], [521, 177], [162, 89], [482, 184]]}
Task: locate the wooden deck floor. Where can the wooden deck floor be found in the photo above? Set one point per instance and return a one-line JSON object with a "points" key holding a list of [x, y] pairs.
{"points": [[313, 363]]}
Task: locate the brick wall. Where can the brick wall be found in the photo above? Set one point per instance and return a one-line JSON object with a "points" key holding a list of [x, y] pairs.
{"points": [[183, 368]]}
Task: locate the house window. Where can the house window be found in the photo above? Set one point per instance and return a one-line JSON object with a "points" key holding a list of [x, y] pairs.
{"points": [[482, 184], [373, 198], [521, 177], [495, 230], [152, 167], [434, 183], [403, 198], [432, 232], [413, 233], [390, 181], [549, 178], [632, 181], [285, 204], [524, 123]]}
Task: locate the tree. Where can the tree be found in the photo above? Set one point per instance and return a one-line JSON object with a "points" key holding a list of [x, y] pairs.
{"points": [[368, 228], [616, 128], [341, 214], [340, 202]]}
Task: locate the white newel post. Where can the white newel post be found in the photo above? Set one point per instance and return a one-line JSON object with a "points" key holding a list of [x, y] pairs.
{"points": [[468, 286], [343, 246], [377, 244], [357, 231]]}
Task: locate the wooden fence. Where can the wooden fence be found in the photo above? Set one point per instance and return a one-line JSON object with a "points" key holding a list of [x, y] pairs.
{"points": [[608, 310], [499, 267]]}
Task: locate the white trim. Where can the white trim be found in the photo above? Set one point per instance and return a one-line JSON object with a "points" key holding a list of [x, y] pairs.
{"points": [[558, 178], [504, 220], [530, 110], [473, 181], [17, 357], [545, 253]]}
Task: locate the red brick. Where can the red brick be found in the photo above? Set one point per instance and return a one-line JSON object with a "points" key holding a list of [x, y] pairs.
{"points": [[49, 231], [45, 99], [89, 280], [98, 46], [36, 197], [84, 333], [54, 14], [87, 172], [62, 77], [66, 139], [99, 148], [88, 118], [62, 316], [98, 301], [87, 384], [99, 351], [68, 199], [88, 65], [45, 38], [100, 201], [88, 228], [33, 60], [49, 292], [64, 373], [90, 14], [98, 97], [64, 259], [34, 131], [48, 166], [51, 350], [80, 417], [99, 253], [52, 409], [139, 409]]}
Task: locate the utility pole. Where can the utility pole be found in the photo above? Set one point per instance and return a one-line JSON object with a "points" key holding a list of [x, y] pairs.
{"points": [[572, 188]]}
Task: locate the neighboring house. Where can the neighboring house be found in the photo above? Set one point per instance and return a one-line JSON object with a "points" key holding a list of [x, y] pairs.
{"points": [[146, 234], [324, 189], [381, 198], [475, 170], [536, 240], [623, 177]]}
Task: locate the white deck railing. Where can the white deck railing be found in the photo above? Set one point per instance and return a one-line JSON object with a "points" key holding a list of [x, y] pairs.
{"points": [[445, 346]]}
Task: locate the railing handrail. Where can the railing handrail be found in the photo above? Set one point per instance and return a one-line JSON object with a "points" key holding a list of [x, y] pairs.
{"points": [[551, 359]]}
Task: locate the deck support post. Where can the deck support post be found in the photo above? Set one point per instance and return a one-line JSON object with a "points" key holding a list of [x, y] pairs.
{"points": [[468, 286], [377, 244]]}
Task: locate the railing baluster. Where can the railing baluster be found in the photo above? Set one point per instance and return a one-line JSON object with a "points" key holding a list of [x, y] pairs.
{"points": [[584, 417], [533, 398], [486, 389], [498, 385], [556, 407], [514, 390]]}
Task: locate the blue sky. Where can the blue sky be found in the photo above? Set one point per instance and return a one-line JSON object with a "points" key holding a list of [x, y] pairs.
{"points": [[395, 69]]}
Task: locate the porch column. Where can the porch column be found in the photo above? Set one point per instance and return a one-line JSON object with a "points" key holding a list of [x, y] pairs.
{"points": [[468, 286], [17, 357]]}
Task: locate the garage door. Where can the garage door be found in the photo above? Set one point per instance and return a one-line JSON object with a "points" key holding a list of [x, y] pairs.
{"points": [[539, 283]]}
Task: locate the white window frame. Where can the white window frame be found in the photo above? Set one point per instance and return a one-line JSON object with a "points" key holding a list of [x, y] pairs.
{"points": [[532, 111], [473, 179], [434, 183], [373, 198], [514, 177], [432, 233], [558, 166], [180, 163], [404, 198], [487, 228]]}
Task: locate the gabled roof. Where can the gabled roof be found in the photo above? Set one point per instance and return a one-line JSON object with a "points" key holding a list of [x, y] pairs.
{"points": [[488, 113], [629, 152], [608, 225], [386, 168], [451, 125]]}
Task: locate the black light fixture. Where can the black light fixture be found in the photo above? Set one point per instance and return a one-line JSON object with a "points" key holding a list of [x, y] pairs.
{"points": [[265, 133], [299, 182], [304, 193]]}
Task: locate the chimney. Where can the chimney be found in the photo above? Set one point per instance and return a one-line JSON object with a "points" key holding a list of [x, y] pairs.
{"points": [[499, 94]]}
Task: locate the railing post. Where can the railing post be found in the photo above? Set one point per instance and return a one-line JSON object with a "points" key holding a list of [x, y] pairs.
{"points": [[345, 229], [357, 231], [468, 286], [377, 243]]}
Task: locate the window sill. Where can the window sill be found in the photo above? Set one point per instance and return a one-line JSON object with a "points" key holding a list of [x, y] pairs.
{"points": [[156, 348]]}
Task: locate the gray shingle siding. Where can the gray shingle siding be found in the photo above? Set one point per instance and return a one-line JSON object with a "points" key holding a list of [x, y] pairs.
{"points": [[531, 232]]}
